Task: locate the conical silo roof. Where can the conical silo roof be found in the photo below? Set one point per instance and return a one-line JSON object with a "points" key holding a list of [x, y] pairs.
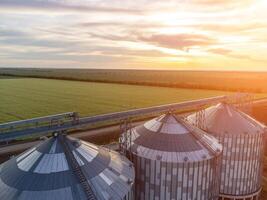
{"points": [[226, 119], [45, 172], [168, 138]]}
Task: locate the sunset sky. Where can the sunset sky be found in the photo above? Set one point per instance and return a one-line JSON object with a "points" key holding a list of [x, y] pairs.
{"points": [[142, 34]]}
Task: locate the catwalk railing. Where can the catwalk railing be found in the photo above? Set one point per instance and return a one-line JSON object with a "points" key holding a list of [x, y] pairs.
{"points": [[8, 133]]}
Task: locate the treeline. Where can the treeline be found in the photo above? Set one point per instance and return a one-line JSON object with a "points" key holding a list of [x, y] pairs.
{"points": [[255, 82]]}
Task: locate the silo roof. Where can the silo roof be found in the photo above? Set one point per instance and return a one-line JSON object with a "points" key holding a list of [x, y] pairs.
{"points": [[171, 139], [226, 119], [45, 173]]}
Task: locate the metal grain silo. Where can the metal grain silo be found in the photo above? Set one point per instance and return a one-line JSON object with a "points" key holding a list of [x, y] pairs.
{"points": [[242, 160], [67, 169], [173, 160]]}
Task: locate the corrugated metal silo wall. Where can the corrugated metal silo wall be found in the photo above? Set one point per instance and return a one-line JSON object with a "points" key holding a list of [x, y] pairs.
{"points": [[241, 164], [157, 180], [130, 195]]}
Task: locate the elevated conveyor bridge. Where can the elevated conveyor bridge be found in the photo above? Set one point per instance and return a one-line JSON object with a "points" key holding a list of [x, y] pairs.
{"points": [[43, 126]]}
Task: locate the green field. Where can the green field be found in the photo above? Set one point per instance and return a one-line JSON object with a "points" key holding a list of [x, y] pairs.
{"points": [[216, 80], [22, 98]]}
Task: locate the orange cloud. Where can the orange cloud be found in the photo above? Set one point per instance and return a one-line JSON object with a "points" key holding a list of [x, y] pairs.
{"points": [[224, 3], [220, 51], [231, 54], [178, 41], [230, 28]]}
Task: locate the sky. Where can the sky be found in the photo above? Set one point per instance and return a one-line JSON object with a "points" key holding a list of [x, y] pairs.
{"points": [[135, 34]]}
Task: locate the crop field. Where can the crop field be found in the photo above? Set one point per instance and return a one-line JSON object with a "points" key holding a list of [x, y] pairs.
{"points": [[22, 98], [212, 80]]}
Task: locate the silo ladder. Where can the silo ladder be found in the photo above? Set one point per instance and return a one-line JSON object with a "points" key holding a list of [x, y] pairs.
{"points": [[76, 169]]}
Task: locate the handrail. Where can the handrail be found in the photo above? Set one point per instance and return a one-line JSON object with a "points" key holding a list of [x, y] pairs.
{"points": [[36, 120], [85, 121]]}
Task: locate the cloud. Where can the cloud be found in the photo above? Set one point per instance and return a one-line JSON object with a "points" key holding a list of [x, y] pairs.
{"points": [[116, 6], [213, 4], [113, 37], [11, 33], [19, 45], [116, 31], [220, 51], [31, 42], [231, 54], [178, 41], [229, 28], [129, 25], [49, 5]]}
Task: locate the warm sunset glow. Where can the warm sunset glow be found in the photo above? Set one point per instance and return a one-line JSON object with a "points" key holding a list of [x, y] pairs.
{"points": [[174, 34]]}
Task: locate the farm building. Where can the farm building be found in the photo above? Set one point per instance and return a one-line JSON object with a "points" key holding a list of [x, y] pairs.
{"points": [[69, 169], [242, 140], [173, 160]]}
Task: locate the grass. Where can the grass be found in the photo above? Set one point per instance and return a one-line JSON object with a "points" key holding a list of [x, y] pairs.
{"points": [[22, 98], [217, 80]]}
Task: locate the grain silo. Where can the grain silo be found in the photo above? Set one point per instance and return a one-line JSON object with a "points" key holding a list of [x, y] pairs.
{"points": [[173, 160], [69, 169], [242, 140]]}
